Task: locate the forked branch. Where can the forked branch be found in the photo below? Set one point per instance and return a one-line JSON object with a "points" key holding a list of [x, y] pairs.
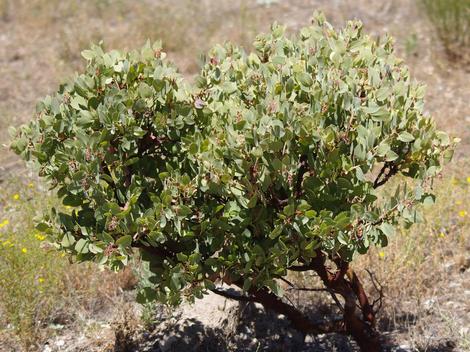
{"points": [[388, 170], [350, 289]]}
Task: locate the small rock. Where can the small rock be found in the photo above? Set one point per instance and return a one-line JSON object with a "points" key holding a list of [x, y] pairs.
{"points": [[309, 339], [429, 303], [464, 264], [166, 343], [449, 266]]}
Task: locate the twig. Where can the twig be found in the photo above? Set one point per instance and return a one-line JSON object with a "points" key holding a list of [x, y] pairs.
{"points": [[235, 297], [300, 267], [308, 289], [379, 288], [300, 175], [287, 282], [390, 169], [338, 303]]}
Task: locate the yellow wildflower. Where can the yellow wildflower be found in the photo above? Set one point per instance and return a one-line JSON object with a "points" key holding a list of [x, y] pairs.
{"points": [[40, 237], [468, 179], [16, 196], [442, 235], [381, 254], [68, 207], [4, 223], [41, 280], [463, 213], [458, 202], [24, 250], [454, 181], [30, 185]]}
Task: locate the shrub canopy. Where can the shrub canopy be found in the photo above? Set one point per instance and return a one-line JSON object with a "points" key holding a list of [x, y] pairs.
{"points": [[268, 158]]}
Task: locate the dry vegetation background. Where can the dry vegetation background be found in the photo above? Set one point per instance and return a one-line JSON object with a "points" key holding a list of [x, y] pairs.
{"points": [[48, 304]]}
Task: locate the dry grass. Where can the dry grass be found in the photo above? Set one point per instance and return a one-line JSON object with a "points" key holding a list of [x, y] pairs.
{"points": [[39, 289], [186, 28], [424, 269], [452, 21]]}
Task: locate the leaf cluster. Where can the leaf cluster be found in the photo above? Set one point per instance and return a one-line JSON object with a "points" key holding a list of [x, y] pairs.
{"points": [[268, 158]]}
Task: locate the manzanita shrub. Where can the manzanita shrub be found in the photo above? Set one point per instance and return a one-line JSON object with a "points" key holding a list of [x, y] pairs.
{"points": [[271, 161]]}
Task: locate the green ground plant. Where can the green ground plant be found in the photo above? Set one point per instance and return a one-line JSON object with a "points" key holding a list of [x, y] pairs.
{"points": [[39, 288], [30, 269], [271, 163], [452, 21]]}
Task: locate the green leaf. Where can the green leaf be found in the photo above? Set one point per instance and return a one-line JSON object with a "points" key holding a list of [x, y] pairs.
{"points": [[247, 285], [145, 91], [72, 200], [391, 156], [406, 137], [81, 246], [43, 227], [88, 54], [383, 149], [387, 229], [68, 240], [181, 257], [360, 175], [344, 183], [275, 232], [276, 164], [94, 248], [428, 200], [275, 288], [184, 210], [175, 282], [304, 79], [310, 213], [252, 202], [193, 148], [229, 87], [124, 241], [289, 210], [106, 238], [78, 102]]}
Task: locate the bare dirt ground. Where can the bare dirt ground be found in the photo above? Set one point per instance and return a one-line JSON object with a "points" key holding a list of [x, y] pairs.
{"points": [[39, 47]]}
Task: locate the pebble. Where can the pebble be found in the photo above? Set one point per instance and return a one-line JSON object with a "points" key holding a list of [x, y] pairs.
{"points": [[429, 303]]}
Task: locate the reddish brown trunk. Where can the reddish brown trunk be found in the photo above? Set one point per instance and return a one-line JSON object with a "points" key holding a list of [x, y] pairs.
{"points": [[298, 319], [367, 311], [362, 330], [362, 333]]}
